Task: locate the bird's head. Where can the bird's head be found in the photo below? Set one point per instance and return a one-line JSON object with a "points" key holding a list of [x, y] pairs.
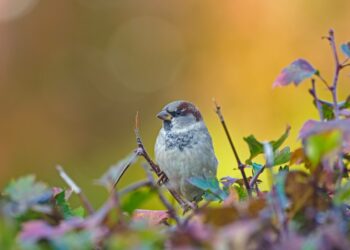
{"points": [[179, 115]]}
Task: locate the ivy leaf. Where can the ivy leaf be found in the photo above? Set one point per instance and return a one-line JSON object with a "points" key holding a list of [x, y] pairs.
{"points": [[296, 72], [256, 147], [210, 186], [65, 208], [25, 192], [282, 156], [345, 47]]}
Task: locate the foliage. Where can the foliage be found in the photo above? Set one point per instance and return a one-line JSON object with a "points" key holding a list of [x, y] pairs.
{"points": [[306, 209]]}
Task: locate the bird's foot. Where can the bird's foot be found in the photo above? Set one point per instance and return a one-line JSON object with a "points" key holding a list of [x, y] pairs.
{"points": [[162, 178]]}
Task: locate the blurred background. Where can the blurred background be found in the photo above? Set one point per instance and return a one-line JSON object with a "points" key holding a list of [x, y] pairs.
{"points": [[74, 72]]}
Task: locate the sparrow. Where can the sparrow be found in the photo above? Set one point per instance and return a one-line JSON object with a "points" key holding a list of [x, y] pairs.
{"points": [[184, 149]]}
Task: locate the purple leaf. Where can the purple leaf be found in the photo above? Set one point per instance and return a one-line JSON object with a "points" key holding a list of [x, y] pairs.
{"points": [[345, 47], [312, 127], [296, 72], [36, 230], [228, 181]]}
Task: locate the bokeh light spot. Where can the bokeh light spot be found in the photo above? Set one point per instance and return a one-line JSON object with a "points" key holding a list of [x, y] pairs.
{"points": [[13, 9], [146, 54]]}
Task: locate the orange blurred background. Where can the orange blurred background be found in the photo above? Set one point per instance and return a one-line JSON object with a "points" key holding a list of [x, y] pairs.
{"points": [[74, 72]]}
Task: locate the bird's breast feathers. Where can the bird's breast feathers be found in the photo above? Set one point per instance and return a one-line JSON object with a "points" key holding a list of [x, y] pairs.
{"points": [[184, 154]]}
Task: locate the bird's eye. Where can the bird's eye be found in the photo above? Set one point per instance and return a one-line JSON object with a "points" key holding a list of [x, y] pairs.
{"points": [[178, 112]]}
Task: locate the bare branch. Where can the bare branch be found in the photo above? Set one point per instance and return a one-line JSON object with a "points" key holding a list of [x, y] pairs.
{"points": [[312, 91], [337, 69], [135, 186], [254, 179], [241, 166]]}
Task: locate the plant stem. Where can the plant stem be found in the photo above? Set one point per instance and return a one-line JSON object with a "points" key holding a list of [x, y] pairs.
{"points": [[256, 176], [312, 91], [337, 69], [135, 186], [241, 166], [76, 189], [162, 198]]}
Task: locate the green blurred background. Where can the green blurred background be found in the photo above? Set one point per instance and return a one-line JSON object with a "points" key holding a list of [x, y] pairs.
{"points": [[74, 72]]}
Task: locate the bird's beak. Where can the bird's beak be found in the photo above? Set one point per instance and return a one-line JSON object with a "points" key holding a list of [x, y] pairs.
{"points": [[164, 115]]}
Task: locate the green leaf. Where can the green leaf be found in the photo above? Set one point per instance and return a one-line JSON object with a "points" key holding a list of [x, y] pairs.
{"points": [[256, 147], [74, 240], [25, 189], [342, 195], [241, 191], [327, 111], [136, 199], [210, 186], [65, 208], [280, 180], [276, 144], [25, 192], [282, 156], [320, 145], [256, 167]]}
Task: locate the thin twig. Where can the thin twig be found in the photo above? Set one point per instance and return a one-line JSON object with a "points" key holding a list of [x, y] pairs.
{"points": [[76, 189], [345, 65], [195, 212], [163, 178], [241, 166], [337, 69], [323, 80], [166, 203], [312, 91], [141, 149], [135, 186], [256, 176]]}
